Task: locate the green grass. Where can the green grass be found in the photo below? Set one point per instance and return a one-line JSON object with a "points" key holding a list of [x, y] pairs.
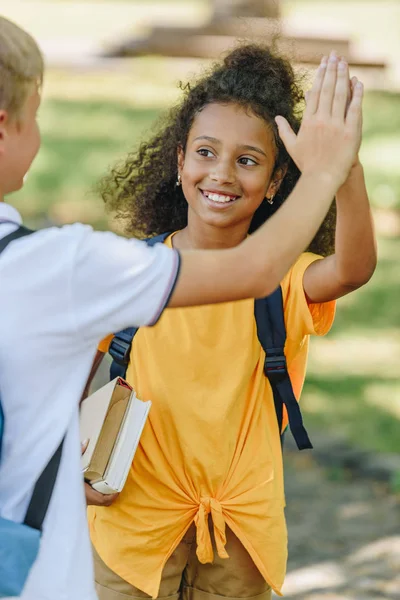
{"points": [[345, 409], [381, 148], [374, 304], [80, 140], [352, 388]]}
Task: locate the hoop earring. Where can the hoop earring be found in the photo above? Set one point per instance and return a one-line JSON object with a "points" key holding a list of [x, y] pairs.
{"points": [[178, 181], [270, 200]]}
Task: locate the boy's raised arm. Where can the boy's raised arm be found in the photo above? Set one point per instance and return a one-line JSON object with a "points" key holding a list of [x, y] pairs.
{"points": [[324, 150]]}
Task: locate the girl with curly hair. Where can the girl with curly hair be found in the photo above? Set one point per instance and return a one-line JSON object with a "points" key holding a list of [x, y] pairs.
{"points": [[202, 513]]}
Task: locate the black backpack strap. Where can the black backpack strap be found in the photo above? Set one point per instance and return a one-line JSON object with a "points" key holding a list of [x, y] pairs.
{"points": [[121, 344], [271, 333], [42, 492], [120, 351], [18, 233]]}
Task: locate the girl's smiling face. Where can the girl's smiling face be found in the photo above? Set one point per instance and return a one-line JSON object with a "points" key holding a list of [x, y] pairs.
{"points": [[228, 167]]}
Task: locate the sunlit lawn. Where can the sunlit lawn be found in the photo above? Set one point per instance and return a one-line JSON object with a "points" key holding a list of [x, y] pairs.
{"points": [[353, 386], [81, 138], [80, 141]]}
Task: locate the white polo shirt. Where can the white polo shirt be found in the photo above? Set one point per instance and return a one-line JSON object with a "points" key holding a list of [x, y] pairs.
{"points": [[61, 291]]}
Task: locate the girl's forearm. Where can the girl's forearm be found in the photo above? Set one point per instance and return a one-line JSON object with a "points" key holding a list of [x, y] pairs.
{"points": [[355, 243]]}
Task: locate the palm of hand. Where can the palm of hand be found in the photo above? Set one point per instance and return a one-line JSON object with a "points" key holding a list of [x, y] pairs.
{"points": [[330, 135]]}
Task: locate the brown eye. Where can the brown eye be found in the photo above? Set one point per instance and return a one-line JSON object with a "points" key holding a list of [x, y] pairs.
{"points": [[205, 152], [247, 161]]}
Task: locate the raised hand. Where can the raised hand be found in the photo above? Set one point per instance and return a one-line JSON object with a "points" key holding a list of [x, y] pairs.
{"points": [[330, 134], [351, 89]]}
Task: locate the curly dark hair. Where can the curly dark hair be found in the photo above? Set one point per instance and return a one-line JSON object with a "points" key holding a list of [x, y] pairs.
{"points": [[142, 191]]}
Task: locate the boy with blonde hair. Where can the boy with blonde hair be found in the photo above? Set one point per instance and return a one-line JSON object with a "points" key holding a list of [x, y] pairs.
{"points": [[63, 289]]}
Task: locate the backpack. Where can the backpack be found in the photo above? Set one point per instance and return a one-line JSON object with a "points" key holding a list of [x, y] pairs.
{"points": [[271, 334], [19, 542]]}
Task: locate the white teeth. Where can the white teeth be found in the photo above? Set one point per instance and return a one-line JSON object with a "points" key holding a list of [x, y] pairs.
{"points": [[218, 197]]}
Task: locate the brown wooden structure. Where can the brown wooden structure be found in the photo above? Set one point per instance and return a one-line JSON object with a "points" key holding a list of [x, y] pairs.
{"points": [[258, 20]]}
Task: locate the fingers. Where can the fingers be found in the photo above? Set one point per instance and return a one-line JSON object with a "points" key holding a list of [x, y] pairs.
{"points": [[332, 90], [286, 133], [354, 113], [109, 499], [341, 91], [313, 95], [328, 86], [349, 90], [349, 86], [98, 499]]}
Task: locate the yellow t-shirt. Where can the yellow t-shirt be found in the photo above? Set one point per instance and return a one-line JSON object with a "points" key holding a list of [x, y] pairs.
{"points": [[211, 444]]}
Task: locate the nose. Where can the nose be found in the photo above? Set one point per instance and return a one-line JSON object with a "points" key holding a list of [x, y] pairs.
{"points": [[223, 172]]}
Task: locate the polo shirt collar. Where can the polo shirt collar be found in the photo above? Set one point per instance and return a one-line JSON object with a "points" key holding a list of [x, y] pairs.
{"points": [[9, 214]]}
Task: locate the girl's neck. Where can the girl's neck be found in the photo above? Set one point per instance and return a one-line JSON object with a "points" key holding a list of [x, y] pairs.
{"points": [[199, 235]]}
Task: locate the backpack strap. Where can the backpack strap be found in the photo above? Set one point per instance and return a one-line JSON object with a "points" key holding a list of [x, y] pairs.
{"points": [[121, 344], [43, 491], [271, 333], [18, 233], [44, 486]]}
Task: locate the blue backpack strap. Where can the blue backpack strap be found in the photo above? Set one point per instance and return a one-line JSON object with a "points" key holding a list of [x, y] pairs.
{"points": [[121, 344], [271, 332]]}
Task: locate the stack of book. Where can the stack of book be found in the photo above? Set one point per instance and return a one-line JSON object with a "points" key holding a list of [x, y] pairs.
{"points": [[112, 419]]}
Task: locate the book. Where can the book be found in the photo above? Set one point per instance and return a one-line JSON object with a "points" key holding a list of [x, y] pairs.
{"points": [[112, 419]]}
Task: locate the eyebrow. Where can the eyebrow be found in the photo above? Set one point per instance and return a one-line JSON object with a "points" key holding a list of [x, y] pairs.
{"points": [[216, 141]]}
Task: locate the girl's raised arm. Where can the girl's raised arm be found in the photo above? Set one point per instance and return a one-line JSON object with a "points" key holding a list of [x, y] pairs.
{"points": [[355, 257]]}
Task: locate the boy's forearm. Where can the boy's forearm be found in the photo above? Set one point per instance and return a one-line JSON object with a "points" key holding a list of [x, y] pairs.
{"points": [[355, 243], [256, 267], [291, 229]]}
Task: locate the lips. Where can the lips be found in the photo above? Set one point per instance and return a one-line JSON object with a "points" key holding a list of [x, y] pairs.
{"points": [[219, 197]]}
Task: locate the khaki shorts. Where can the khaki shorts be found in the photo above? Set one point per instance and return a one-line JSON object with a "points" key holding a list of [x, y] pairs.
{"points": [[185, 578]]}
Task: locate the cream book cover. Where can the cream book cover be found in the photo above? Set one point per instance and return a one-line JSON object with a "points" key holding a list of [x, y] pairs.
{"points": [[112, 419]]}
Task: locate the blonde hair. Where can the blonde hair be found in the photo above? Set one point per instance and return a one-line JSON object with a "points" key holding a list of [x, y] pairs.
{"points": [[21, 66]]}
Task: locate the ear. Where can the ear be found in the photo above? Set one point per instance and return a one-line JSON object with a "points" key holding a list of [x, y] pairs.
{"points": [[181, 158], [3, 130], [276, 180]]}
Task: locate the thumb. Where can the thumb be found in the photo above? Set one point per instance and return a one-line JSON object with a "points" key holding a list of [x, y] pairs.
{"points": [[286, 133]]}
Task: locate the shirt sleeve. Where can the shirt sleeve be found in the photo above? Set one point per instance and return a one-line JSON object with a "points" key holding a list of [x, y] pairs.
{"points": [[301, 317], [105, 343], [118, 283]]}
